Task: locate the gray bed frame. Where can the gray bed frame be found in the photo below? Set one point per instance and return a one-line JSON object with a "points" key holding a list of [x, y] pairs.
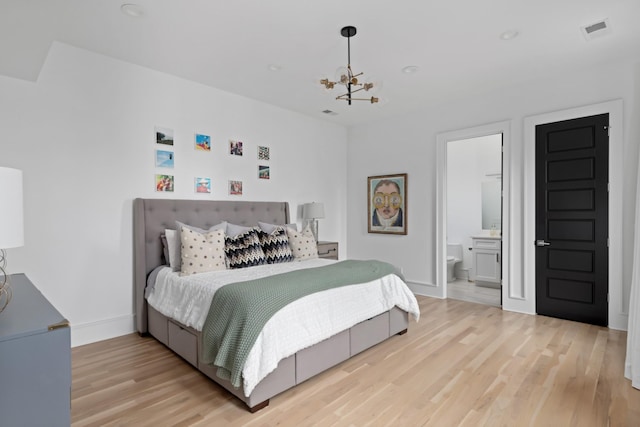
{"points": [[152, 216]]}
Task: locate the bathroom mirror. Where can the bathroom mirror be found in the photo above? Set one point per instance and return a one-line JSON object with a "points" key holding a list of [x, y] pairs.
{"points": [[491, 205]]}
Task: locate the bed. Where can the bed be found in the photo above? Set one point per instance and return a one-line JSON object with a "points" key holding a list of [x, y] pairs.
{"points": [[151, 217]]}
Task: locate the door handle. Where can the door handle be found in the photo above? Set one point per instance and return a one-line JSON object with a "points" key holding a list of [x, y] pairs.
{"points": [[542, 243]]}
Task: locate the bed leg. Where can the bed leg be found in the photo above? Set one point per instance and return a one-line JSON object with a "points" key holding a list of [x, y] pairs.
{"points": [[259, 406], [402, 332]]}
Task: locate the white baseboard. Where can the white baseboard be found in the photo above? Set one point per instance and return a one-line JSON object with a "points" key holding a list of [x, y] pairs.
{"points": [[87, 333], [424, 289]]}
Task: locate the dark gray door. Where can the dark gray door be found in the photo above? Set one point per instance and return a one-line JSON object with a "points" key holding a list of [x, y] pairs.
{"points": [[572, 174]]}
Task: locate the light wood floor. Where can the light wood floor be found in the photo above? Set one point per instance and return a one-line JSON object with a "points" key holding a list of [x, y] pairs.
{"points": [[464, 290], [462, 364]]}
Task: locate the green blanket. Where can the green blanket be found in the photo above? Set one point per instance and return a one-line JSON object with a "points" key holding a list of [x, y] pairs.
{"points": [[239, 311]]}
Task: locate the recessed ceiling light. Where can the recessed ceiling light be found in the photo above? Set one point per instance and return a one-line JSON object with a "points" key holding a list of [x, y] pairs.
{"points": [[410, 69], [274, 67], [509, 35], [131, 9]]}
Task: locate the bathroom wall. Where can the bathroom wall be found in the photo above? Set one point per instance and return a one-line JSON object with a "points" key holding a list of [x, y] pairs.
{"points": [[469, 161]]}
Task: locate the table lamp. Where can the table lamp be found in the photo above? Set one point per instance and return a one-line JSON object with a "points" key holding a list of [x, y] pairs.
{"points": [[11, 225], [311, 212]]}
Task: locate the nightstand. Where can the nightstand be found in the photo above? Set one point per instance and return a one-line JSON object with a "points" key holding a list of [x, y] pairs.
{"points": [[35, 361], [328, 250]]}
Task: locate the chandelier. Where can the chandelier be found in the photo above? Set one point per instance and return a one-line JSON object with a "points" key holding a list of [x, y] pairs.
{"points": [[346, 76]]}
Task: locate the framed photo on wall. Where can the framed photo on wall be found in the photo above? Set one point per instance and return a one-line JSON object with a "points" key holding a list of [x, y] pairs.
{"points": [[203, 185], [164, 159], [263, 153], [164, 135], [203, 142], [164, 183], [235, 188], [264, 172], [387, 204], [235, 147]]}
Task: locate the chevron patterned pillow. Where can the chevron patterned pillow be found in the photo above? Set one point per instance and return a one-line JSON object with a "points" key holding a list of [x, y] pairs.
{"points": [[275, 245], [244, 250]]}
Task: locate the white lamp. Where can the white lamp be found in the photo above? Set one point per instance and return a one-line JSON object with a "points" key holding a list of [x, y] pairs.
{"points": [[312, 212], [11, 224]]}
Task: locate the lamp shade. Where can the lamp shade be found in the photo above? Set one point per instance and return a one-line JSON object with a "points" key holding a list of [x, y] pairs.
{"points": [[11, 217], [313, 210]]}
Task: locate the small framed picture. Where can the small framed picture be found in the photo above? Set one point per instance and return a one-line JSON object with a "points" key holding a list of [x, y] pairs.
{"points": [[387, 204], [263, 172], [203, 142], [263, 153], [235, 147], [235, 188], [164, 159], [164, 136], [203, 185], [164, 183]]}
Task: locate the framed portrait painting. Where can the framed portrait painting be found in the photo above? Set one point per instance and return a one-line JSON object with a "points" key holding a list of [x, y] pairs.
{"points": [[387, 204]]}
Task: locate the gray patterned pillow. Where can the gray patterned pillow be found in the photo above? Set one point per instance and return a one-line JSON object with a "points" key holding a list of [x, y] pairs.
{"points": [[302, 243], [201, 252], [244, 250]]}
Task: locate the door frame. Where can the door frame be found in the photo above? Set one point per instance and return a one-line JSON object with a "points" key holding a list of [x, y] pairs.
{"points": [[442, 139], [617, 313]]}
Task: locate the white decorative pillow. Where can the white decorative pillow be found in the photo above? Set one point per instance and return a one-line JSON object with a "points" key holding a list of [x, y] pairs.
{"points": [[302, 243], [201, 252], [177, 241]]}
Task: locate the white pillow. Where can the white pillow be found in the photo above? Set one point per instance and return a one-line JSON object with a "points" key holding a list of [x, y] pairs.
{"points": [[173, 247], [201, 252], [270, 228], [234, 230], [302, 243], [176, 256]]}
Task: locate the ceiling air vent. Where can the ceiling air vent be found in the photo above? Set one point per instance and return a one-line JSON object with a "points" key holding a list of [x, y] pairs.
{"points": [[330, 113], [597, 29]]}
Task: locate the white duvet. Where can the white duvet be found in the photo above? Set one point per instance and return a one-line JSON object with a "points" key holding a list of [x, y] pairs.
{"points": [[293, 328]]}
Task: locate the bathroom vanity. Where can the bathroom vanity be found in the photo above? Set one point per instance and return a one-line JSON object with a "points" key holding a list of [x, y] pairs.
{"points": [[487, 260]]}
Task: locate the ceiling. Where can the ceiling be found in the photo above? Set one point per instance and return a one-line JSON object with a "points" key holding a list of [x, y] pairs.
{"points": [[230, 45]]}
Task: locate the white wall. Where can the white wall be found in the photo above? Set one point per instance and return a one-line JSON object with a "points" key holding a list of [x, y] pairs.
{"points": [[408, 144], [84, 136]]}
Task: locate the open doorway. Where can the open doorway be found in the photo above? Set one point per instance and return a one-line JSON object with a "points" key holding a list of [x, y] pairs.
{"points": [[503, 267], [474, 219]]}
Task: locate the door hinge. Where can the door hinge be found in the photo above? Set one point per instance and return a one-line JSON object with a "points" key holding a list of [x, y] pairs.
{"points": [[607, 242], [608, 128], [608, 186]]}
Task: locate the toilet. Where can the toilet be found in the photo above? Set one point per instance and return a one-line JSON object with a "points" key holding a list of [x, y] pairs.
{"points": [[454, 256]]}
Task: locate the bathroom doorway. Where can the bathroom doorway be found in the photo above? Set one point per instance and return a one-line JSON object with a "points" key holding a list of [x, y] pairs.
{"points": [[474, 219]]}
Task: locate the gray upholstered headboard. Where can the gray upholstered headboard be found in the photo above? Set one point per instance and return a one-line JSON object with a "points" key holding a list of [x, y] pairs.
{"points": [[152, 216]]}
